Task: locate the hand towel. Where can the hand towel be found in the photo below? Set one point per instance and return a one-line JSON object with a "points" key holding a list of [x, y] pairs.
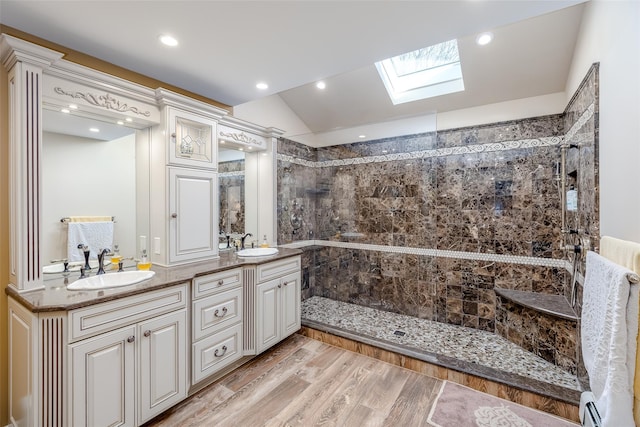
{"points": [[627, 254], [95, 235], [90, 218], [605, 336]]}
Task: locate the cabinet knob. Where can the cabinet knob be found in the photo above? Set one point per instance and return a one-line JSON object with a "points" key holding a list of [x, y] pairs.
{"points": [[220, 282], [131, 338], [279, 285], [147, 333], [224, 350], [174, 215], [224, 312], [173, 135]]}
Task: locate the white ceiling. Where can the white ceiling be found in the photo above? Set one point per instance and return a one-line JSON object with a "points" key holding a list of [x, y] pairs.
{"points": [[226, 47]]}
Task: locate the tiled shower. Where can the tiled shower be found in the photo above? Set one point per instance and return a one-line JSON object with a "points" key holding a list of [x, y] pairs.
{"points": [[431, 225]]}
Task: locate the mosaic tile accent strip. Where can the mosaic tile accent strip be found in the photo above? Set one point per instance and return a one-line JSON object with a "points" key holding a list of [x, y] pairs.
{"points": [[584, 118], [465, 344], [229, 174], [437, 253], [424, 154]]}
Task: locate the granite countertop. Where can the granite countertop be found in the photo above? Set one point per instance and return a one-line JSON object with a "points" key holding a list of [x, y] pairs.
{"points": [[56, 297]]}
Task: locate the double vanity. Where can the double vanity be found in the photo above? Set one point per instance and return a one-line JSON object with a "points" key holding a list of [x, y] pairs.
{"points": [[120, 348], [123, 355]]}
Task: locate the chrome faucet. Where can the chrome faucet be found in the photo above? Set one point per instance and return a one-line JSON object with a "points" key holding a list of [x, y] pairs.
{"points": [[101, 255], [242, 240]]}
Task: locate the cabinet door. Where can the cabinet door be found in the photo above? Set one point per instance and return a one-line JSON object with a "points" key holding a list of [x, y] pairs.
{"points": [[192, 140], [162, 363], [102, 380], [290, 304], [193, 222], [268, 330]]}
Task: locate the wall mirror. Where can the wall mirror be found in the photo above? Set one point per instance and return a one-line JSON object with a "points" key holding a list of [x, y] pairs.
{"points": [[92, 166], [237, 181]]}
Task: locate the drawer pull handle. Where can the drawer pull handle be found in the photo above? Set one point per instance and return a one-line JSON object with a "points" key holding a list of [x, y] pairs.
{"points": [[220, 282], [224, 312], [147, 333], [224, 350], [131, 339]]}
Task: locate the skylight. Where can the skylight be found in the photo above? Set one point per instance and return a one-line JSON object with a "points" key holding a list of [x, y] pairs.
{"points": [[423, 73]]}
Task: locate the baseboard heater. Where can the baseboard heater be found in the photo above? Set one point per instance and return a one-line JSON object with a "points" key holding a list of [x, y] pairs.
{"points": [[589, 415]]}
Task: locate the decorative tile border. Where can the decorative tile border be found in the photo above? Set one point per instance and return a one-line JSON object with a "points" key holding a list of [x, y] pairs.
{"points": [[451, 151], [584, 118], [436, 253], [229, 174], [424, 154]]}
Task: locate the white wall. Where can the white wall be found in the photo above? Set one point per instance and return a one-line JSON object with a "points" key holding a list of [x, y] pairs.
{"points": [[554, 103], [610, 34], [87, 177]]}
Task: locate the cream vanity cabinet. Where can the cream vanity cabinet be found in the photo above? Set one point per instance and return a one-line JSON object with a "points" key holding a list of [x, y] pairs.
{"points": [[277, 305], [127, 358], [184, 181], [217, 310], [193, 208]]}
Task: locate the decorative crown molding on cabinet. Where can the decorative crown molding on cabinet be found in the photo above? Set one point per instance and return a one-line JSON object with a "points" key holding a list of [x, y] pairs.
{"points": [[106, 101]]}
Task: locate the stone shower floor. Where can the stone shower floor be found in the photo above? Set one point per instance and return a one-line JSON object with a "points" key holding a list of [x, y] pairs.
{"points": [[470, 346]]}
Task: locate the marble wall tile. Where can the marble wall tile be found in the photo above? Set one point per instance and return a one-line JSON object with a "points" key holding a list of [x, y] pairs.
{"points": [[458, 190]]}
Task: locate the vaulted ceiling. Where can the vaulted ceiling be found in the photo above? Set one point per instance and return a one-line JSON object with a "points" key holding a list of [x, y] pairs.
{"points": [[226, 47]]}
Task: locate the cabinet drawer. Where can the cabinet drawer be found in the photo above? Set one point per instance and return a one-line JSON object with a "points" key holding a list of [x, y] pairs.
{"points": [[279, 268], [215, 352], [216, 282], [88, 321], [215, 312]]}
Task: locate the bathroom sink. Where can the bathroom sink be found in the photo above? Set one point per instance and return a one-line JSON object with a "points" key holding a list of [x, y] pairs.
{"points": [[111, 280], [257, 252], [73, 266]]}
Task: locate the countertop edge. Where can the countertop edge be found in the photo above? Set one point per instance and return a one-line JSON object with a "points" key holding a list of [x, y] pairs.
{"points": [[48, 300]]}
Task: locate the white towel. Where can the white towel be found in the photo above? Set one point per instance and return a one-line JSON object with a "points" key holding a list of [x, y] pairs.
{"points": [[608, 335], [95, 235]]}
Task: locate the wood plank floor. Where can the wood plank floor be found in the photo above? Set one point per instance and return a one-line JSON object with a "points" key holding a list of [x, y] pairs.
{"points": [[305, 382]]}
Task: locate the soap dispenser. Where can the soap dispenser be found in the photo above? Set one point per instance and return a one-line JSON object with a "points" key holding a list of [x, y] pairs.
{"points": [[264, 244], [144, 263], [116, 257]]}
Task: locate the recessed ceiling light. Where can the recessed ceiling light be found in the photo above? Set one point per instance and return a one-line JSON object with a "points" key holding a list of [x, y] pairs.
{"points": [[95, 130], [168, 40], [262, 86], [120, 122], [484, 39], [65, 110], [73, 106], [362, 136], [129, 119], [321, 85]]}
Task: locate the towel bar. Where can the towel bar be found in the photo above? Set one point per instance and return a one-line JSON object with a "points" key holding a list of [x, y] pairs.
{"points": [[67, 219]]}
